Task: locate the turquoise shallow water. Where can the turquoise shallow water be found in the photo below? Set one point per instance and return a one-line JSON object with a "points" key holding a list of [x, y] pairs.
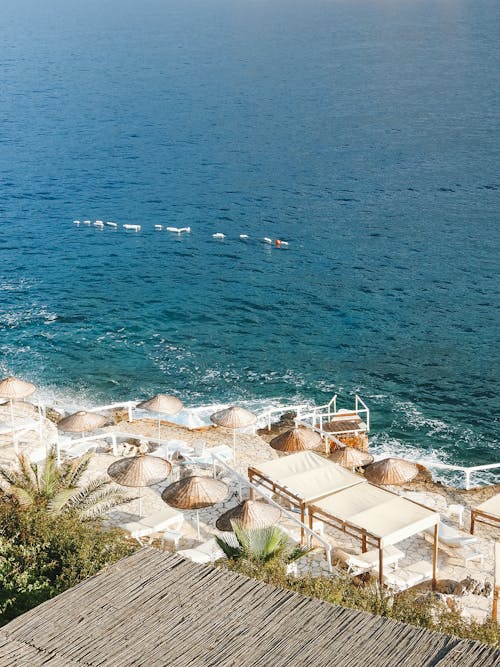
{"points": [[365, 134]]}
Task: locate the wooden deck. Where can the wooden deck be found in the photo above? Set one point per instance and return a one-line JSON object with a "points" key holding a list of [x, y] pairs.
{"points": [[155, 609], [337, 426]]}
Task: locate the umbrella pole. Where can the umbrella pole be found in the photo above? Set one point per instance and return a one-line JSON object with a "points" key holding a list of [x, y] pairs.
{"points": [[198, 524], [159, 429], [14, 441], [140, 504], [234, 445]]}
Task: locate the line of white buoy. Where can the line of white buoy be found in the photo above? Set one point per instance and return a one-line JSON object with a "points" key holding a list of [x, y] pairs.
{"points": [[177, 230]]}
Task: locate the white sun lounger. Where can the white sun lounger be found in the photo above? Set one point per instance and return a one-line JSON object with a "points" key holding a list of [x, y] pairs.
{"points": [[73, 449], [403, 578], [360, 563], [456, 543], [171, 447], [158, 522], [208, 552]]}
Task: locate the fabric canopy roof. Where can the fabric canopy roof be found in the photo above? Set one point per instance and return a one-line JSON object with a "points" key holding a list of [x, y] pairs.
{"points": [[384, 515], [308, 475], [491, 506]]}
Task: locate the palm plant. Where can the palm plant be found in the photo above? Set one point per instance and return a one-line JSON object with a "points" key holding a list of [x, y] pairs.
{"points": [[261, 545], [56, 487]]}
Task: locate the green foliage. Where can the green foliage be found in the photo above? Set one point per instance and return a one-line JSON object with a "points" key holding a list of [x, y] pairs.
{"points": [[423, 609], [56, 487], [42, 554], [260, 546]]}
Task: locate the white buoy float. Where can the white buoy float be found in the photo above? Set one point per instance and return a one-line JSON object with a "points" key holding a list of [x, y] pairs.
{"points": [[266, 239], [136, 228], [86, 222], [76, 222], [178, 230], [219, 235], [158, 226], [243, 236], [112, 224], [99, 223]]}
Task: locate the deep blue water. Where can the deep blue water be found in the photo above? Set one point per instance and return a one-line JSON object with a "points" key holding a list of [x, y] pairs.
{"points": [[366, 134]]}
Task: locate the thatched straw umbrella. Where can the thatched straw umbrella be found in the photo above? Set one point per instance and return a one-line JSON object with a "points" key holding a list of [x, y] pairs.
{"points": [[162, 404], [81, 422], [15, 389], [350, 457], [297, 439], [139, 471], [233, 418], [391, 471], [194, 493], [249, 514]]}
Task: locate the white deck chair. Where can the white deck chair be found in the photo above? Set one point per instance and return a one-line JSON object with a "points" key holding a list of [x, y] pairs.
{"points": [[361, 563], [456, 543], [72, 449], [207, 552], [403, 578]]}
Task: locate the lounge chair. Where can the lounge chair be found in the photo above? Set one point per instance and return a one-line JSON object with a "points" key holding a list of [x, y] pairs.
{"points": [[148, 526], [455, 543], [403, 578], [205, 456], [73, 449], [171, 447], [207, 552], [360, 563]]}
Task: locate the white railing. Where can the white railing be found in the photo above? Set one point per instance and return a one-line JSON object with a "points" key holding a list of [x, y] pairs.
{"points": [[364, 410], [466, 470], [267, 414], [327, 437], [129, 405], [324, 413], [290, 515]]}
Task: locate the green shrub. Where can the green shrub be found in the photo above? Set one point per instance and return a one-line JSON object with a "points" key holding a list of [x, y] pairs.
{"points": [[42, 555], [423, 609]]}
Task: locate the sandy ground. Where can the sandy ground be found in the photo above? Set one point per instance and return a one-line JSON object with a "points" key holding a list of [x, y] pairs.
{"points": [[474, 595]]}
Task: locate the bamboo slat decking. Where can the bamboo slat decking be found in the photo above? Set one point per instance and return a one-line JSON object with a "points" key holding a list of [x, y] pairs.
{"points": [[157, 609]]}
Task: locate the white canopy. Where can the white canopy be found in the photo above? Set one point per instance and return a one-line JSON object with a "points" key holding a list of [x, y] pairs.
{"points": [[380, 513], [491, 506], [308, 475]]}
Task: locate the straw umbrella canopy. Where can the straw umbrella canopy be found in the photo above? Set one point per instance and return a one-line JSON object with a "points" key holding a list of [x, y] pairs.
{"points": [[194, 493], [139, 471], [296, 439], [233, 418], [350, 457], [81, 422], [249, 514], [15, 389], [162, 404], [391, 471]]}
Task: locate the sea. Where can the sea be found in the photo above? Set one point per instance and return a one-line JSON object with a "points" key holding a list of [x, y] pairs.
{"points": [[363, 133]]}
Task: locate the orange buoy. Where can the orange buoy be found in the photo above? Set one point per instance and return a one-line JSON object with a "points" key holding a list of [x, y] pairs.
{"points": [[278, 243]]}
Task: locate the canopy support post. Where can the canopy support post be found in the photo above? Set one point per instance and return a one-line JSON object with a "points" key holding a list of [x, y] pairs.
{"points": [[380, 564], [250, 478], [435, 556], [302, 520]]}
